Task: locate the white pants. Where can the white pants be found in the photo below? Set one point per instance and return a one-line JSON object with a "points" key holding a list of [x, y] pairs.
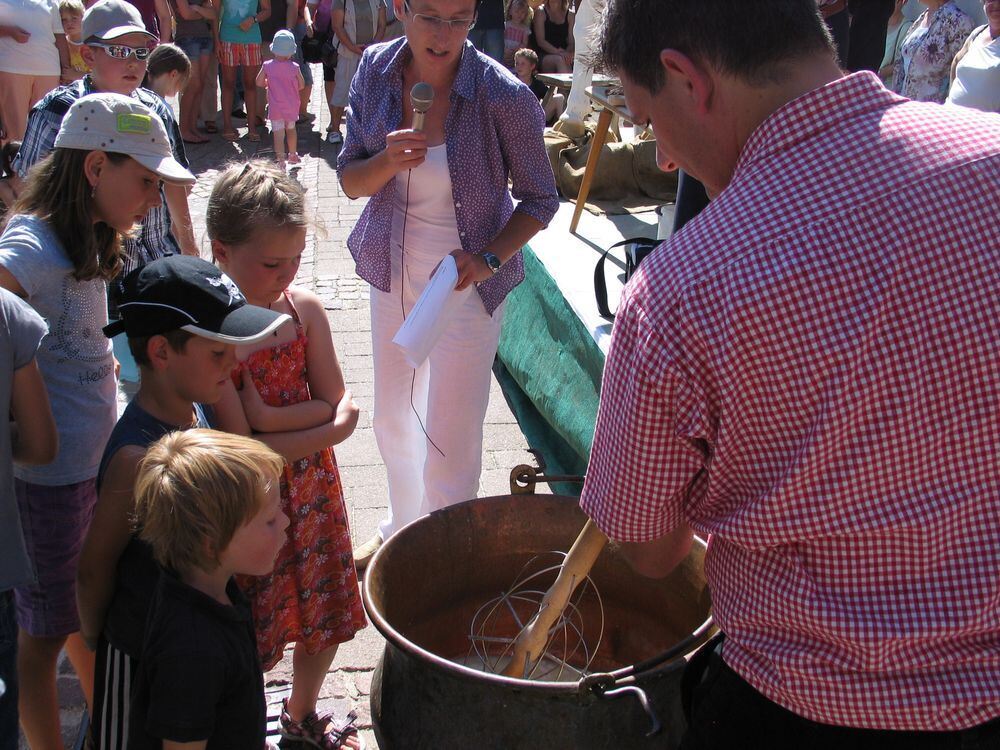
{"points": [[450, 393]]}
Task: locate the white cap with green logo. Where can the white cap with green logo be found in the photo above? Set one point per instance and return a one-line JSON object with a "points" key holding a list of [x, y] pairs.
{"points": [[121, 125]]}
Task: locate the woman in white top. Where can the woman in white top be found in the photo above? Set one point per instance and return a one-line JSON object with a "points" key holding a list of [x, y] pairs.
{"points": [[33, 54], [975, 74]]}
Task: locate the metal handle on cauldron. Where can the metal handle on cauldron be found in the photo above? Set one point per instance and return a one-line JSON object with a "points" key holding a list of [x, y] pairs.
{"points": [[523, 478], [601, 685]]}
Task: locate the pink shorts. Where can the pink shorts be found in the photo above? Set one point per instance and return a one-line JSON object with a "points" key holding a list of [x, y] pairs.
{"points": [[234, 54]]}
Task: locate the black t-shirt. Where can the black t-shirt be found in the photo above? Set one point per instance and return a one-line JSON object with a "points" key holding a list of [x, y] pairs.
{"points": [[200, 677], [137, 572], [538, 88]]}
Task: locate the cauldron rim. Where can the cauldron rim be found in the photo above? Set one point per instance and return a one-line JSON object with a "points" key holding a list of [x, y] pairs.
{"points": [[393, 636]]}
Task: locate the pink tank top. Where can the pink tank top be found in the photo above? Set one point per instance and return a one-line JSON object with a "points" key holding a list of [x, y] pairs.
{"points": [[282, 89]]}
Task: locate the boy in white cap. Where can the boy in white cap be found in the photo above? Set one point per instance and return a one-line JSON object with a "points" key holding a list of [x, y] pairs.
{"points": [[115, 46], [57, 252], [282, 78]]}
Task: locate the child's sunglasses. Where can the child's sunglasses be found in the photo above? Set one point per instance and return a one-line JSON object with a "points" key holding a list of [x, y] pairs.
{"points": [[122, 51]]}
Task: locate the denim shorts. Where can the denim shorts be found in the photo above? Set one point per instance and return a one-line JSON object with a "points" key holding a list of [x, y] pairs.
{"points": [[195, 46], [300, 34]]}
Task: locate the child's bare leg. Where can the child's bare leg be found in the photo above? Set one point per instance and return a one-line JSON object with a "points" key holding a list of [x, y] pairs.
{"points": [[228, 94], [293, 139], [83, 661], [38, 703], [279, 145], [308, 672]]}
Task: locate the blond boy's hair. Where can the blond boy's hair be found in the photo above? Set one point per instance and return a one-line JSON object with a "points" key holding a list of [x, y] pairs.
{"points": [[71, 6], [199, 485]]}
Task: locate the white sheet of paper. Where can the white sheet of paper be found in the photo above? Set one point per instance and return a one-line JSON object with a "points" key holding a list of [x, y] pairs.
{"points": [[432, 313]]}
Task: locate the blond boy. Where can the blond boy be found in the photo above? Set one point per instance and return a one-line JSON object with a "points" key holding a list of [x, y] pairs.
{"points": [[71, 13], [208, 504]]}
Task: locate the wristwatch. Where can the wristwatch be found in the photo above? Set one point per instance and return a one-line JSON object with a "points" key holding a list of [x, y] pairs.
{"points": [[492, 261]]}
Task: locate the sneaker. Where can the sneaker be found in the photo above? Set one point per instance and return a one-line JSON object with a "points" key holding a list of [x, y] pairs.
{"points": [[294, 159], [364, 554], [334, 137]]}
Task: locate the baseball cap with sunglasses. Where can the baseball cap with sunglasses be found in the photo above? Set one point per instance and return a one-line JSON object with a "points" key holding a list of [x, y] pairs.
{"points": [[107, 20]]}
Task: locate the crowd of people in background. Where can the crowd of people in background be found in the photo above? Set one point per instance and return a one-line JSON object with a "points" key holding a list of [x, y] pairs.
{"points": [[98, 243]]}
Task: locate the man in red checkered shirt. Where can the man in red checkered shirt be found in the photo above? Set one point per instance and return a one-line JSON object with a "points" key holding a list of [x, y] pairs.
{"points": [[808, 375]]}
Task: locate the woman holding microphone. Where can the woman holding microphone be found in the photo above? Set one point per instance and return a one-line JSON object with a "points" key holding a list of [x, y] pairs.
{"points": [[437, 191]]}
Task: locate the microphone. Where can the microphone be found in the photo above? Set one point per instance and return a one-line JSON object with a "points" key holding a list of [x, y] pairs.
{"points": [[421, 98]]}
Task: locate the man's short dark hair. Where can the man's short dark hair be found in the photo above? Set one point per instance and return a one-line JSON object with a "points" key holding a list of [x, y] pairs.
{"points": [[139, 345], [749, 39]]}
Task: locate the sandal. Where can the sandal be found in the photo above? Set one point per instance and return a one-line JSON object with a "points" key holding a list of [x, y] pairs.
{"points": [[319, 731], [231, 135], [211, 127], [253, 136]]}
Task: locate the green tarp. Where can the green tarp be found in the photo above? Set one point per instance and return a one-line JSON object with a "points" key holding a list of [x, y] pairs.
{"points": [[550, 369]]}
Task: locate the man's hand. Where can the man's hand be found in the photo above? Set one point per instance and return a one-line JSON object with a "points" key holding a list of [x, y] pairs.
{"points": [[472, 269]]}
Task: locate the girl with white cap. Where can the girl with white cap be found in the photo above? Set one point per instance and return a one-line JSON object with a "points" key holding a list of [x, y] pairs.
{"points": [[282, 78], [57, 251]]}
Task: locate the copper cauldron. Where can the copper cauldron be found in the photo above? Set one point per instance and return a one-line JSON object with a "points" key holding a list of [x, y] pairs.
{"points": [[424, 586]]}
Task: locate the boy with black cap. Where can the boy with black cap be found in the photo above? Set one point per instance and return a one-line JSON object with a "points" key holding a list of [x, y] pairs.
{"points": [[183, 318], [115, 46]]}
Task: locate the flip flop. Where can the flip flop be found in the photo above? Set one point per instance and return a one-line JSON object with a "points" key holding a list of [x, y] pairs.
{"points": [[211, 127], [231, 135], [197, 142], [253, 136]]}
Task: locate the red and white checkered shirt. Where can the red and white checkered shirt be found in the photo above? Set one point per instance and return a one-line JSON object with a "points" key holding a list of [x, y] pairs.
{"points": [[810, 373]]}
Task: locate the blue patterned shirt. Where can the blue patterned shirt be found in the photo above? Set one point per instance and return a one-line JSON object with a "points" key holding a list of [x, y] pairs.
{"points": [[493, 132], [154, 239]]}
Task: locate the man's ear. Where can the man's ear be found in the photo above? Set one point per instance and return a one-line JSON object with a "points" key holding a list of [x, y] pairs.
{"points": [[87, 53], [688, 78]]}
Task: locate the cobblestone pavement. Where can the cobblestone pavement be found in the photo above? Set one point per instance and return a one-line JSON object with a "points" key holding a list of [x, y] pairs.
{"points": [[328, 269]]}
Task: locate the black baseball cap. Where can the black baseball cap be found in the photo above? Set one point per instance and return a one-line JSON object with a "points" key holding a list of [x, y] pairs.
{"points": [[181, 291]]}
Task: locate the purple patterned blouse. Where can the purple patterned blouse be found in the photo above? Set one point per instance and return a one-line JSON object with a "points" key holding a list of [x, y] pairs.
{"points": [[493, 131]]}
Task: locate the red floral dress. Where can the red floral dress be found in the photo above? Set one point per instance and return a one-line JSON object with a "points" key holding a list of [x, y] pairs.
{"points": [[312, 596]]}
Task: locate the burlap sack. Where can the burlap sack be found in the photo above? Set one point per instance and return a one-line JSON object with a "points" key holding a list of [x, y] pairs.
{"points": [[626, 173]]}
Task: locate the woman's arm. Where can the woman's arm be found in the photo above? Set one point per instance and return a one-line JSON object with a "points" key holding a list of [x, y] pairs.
{"points": [[106, 539], [263, 11], [570, 37], [539, 24], [34, 438], [206, 10], [180, 217], [960, 54], [261, 79], [165, 16], [337, 22], [380, 29], [187, 11], [292, 14]]}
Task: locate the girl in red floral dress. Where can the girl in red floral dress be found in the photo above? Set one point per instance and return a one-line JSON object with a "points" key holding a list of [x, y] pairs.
{"points": [[291, 395]]}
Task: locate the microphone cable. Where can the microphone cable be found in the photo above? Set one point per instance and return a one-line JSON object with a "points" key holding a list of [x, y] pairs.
{"points": [[402, 309]]}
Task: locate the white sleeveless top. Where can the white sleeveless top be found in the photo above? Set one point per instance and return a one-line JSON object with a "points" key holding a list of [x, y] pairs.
{"points": [[977, 80], [429, 208]]}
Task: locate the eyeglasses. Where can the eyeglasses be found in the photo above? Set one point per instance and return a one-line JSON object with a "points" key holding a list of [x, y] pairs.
{"points": [[434, 24], [122, 51]]}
